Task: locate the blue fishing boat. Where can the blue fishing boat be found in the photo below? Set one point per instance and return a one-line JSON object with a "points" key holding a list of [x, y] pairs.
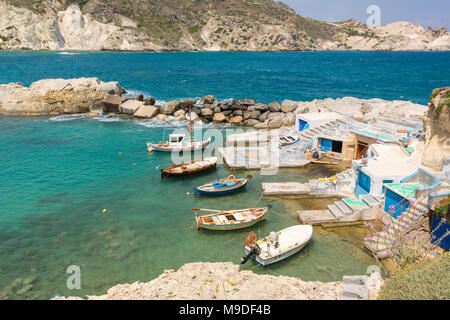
{"points": [[231, 184]]}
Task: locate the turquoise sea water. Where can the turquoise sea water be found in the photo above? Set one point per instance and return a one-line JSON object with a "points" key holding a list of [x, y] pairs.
{"points": [[59, 172]]}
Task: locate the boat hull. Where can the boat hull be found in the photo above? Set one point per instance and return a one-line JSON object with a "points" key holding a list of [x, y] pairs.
{"points": [[188, 148], [205, 222], [190, 168], [229, 227], [219, 191], [266, 262], [293, 243]]}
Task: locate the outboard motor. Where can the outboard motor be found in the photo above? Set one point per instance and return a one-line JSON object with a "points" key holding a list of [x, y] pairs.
{"points": [[274, 239], [254, 251]]}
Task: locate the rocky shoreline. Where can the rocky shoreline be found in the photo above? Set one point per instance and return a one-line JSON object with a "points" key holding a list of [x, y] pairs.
{"points": [[220, 281], [92, 96]]}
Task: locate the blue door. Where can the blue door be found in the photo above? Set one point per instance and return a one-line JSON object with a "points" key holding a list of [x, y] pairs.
{"points": [[326, 144], [302, 125], [363, 185]]}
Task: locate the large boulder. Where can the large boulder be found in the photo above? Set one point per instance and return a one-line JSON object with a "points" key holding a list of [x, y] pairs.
{"points": [[192, 116], [274, 107], [179, 113], [264, 116], [261, 125], [247, 102], [261, 107], [209, 99], [246, 115], [146, 112], [274, 115], [236, 105], [437, 129], [53, 96], [255, 115], [150, 101], [162, 117], [289, 119], [112, 88], [219, 117], [188, 102], [170, 107], [251, 122], [238, 113], [288, 106], [275, 123], [130, 106], [111, 103], [236, 120], [206, 112]]}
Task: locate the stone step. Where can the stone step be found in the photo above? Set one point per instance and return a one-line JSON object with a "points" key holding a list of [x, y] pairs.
{"points": [[369, 200], [376, 246], [355, 288], [343, 207], [335, 211]]}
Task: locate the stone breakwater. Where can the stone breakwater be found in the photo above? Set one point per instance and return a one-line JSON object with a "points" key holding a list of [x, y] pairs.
{"points": [[92, 96], [211, 281]]}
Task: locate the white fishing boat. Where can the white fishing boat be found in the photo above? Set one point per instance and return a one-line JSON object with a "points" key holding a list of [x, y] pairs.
{"points": [[178, 143], [278, 245]]}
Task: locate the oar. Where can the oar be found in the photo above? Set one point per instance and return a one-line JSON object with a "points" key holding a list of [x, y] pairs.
{"points": [[199, 209]]}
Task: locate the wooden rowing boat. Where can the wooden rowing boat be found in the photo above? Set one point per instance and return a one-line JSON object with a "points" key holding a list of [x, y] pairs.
{"points": [[229, 220], [190, 167], [221, 186], [278, 245], [288, 140]]}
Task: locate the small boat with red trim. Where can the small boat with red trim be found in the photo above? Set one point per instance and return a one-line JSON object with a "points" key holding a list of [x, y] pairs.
{"points": [[278, 245], [229, 220], [178, 143], [221, 186]]}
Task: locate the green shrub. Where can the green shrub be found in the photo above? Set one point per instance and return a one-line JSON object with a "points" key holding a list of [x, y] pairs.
{"points": [[194, 29], [426, 280]]}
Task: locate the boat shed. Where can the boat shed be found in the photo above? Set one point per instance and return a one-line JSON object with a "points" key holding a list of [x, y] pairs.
{"points": [[387, 163], [315, 119]]}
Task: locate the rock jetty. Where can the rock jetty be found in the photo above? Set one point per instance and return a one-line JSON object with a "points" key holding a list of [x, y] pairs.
{"points": [[92, 96]]}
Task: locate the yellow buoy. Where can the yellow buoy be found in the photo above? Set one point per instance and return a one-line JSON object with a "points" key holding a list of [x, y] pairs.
{"points": [[188, 193], [120, 154], [104, 211], [150, 150]]}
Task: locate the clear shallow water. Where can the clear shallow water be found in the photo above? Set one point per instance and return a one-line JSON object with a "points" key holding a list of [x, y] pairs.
{"points": [[58, 173], [261, 76], [58, 176]]}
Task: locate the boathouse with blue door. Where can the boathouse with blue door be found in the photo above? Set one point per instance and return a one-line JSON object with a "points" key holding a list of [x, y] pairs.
{"points": [[418, 187]]}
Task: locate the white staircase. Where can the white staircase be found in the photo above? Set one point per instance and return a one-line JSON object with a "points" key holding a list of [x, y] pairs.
{"points": [[409, 220]]}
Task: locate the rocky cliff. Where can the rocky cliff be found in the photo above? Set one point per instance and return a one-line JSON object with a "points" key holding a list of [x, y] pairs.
{"points": [[183, 25], [437, 129]]}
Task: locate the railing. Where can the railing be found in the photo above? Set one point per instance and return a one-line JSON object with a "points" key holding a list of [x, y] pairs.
{"points": [[410, 132]]}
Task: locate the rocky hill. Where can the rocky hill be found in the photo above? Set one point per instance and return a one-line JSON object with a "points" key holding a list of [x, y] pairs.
{"points": [[184, 25], [437, 128]]}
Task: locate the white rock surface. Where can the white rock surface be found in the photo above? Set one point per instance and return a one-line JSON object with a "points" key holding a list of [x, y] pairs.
{"points": [[52, 96], [208, 281]]}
